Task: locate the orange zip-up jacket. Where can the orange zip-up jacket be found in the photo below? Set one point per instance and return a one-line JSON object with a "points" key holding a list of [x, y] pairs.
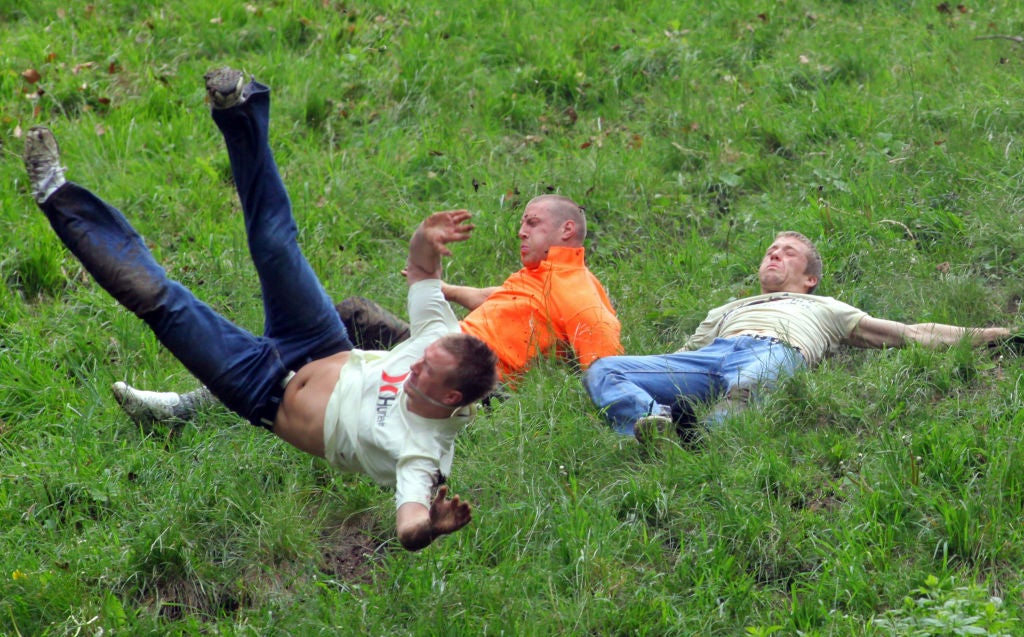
{"points": [[541, 310]]}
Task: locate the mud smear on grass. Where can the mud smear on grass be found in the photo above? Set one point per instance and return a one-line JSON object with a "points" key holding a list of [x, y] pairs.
{"points": [[350, 555], [352, 552]]}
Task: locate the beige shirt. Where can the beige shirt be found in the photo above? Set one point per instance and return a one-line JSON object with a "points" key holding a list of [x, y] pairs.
{"points": [[368, 427], [815, 325]]}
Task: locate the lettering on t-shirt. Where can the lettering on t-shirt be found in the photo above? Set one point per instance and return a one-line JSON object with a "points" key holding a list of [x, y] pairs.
{"points": [[387, 393], [799, 305]]}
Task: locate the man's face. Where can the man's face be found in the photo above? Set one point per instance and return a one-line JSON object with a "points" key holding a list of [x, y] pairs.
{"points": [[538, 231], [784, 267], [430, 374]]}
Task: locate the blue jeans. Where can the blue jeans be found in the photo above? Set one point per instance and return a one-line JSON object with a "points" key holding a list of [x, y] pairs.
{"points": [[246, 372], [626, 388]]}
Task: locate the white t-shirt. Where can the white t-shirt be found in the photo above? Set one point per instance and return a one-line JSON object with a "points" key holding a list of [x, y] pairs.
{"points": [[815, 325], [368, 427]]}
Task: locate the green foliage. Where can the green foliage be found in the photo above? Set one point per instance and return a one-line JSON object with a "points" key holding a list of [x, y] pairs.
{"points": [[942, 608], [692, 132]]}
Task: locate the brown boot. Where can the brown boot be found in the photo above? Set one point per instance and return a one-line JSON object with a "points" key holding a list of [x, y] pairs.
{"points": [[369, 325]]}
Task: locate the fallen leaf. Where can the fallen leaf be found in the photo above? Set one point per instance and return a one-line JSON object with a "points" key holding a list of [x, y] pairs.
{"points": [[31, 76]]}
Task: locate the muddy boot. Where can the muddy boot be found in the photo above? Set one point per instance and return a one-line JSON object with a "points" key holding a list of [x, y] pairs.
{"points": [[369, 325], [146, 407], [225, 88], [42, 161]]}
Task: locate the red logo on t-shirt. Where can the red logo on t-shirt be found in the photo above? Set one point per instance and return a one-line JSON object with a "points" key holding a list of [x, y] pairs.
{"points": [[389, 386]]}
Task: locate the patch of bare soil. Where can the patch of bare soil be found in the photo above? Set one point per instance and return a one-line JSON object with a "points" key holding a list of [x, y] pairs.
{"points": [[351, 551], [174, 599]]}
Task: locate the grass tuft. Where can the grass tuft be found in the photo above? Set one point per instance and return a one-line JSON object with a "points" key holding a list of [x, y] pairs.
{"points": [[879, 494]]}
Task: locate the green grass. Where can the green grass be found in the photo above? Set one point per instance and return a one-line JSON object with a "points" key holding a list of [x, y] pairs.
{"points": [[879, 495]]}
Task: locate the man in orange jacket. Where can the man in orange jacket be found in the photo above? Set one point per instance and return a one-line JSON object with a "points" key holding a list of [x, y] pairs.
{"points": [[554, 304]]}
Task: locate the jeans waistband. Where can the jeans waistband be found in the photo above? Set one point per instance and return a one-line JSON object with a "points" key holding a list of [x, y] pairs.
{"points": [[267, 412], [774, 340]]}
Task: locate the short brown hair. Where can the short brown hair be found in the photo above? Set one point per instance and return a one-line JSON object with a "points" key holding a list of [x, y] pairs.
{"points": [[476, 368], [810, 251]]}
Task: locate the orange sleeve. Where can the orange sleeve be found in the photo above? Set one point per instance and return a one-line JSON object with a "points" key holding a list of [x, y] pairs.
{"points": [[592, 329]]}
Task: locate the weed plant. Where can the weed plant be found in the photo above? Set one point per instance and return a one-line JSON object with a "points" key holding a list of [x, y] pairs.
{"points": [[881, 494]]}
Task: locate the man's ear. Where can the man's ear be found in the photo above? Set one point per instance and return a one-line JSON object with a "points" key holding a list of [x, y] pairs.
{"points": [[812, 282], [568, 230], [452, 397]]}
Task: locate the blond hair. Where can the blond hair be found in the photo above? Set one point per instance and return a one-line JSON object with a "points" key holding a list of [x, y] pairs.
{"points": [[810, 251]]}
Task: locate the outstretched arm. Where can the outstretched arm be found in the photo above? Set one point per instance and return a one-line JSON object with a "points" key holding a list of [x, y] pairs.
{"points": [[430, 242], [466, 296], [875, 332], [418, 526]]}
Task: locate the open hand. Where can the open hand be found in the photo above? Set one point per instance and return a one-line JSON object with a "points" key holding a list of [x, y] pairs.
{"points": [[446, 227], [448, 516]]}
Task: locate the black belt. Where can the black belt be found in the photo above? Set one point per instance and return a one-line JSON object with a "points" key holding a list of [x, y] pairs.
{"points": [[269, 409]]}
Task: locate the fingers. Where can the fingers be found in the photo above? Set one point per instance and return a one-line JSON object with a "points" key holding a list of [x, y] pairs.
{"points": [[458, 216], [448, 516], [454, 218], [449, 216], [455, 503], [442, 493]]}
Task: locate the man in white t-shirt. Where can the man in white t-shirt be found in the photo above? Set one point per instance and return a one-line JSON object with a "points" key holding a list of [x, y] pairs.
{"points": [[749, 345], [392, 415]]}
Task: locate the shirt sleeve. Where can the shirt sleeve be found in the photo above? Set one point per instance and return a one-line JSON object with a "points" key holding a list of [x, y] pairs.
{"points": [[416, 479], [428, 309], [593, 334], [595, 331]]}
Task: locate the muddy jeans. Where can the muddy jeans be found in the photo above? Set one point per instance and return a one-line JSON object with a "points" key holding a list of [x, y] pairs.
{"points": [[244, 371]]}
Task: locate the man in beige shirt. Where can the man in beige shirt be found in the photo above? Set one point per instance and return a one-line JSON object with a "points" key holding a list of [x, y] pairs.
{"points": [[750, 344]]}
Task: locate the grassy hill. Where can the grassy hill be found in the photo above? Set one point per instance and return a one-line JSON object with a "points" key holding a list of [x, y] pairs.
{"points": [[880, 494]]}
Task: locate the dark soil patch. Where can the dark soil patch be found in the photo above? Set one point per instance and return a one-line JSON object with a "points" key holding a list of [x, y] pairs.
{"points": [[351, 551]]}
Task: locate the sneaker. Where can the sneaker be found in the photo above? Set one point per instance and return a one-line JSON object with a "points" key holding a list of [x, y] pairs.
{"points": [[648, 428], [42, 161], [147, 407], [225, 87]]}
